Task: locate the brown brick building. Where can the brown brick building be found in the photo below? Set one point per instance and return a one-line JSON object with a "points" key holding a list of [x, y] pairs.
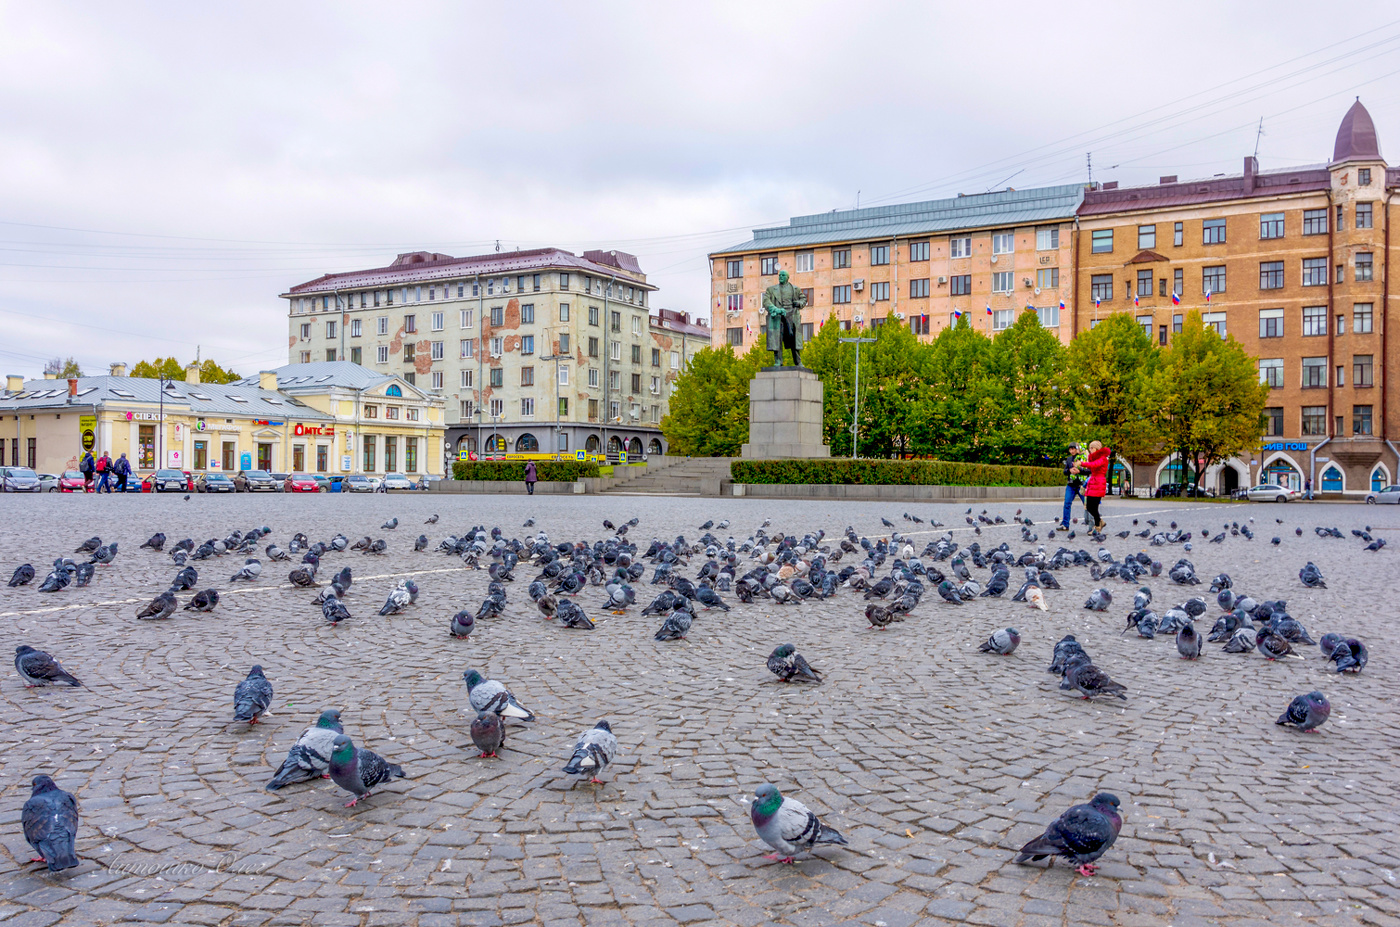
{"points": [[1295, 263]]}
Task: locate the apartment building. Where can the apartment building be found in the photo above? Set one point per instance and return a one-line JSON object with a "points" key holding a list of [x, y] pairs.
{"points": [[1292, 263], [531, 351], [988, 256]]}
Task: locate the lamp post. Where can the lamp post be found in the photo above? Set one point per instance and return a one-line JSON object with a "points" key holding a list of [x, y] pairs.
{"points": [[855, 419], [160, 421]]}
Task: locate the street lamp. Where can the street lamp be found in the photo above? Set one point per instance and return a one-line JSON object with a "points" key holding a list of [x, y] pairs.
{"points": [[165, 383], [855, 419]]}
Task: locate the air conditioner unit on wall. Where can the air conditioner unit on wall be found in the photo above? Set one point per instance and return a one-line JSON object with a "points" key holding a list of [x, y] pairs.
{"points": [[1026, 281], [857, 285], [994, 259], [899, 315], [942, 281]]}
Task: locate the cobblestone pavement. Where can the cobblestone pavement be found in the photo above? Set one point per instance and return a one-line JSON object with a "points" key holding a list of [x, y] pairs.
{"points": [[936, 761]]}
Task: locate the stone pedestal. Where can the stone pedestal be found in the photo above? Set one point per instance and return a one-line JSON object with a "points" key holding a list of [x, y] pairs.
{"points": [[785, 415]]}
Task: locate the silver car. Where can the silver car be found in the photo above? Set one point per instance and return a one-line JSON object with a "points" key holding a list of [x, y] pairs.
{"points": [[1390, 495], [396, 481], [19, 479], [1271, 492]]}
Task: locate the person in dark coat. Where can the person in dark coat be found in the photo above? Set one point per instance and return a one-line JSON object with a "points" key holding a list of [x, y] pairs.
{"points": [[88, 467], [123, 470], [530, 477], [1074, 481]]}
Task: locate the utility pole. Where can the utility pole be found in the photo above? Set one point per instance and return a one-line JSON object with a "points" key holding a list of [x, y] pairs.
{"points": [[558, 428], [855, 420]]}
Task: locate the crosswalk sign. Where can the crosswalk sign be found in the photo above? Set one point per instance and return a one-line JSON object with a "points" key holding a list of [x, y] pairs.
{"points": [[581, 456]]}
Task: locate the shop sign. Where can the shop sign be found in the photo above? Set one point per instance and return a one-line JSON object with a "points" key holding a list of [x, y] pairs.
{"points": [[325, 430], [143, 416], [271, 424], [87, 431], [1285, 446]]}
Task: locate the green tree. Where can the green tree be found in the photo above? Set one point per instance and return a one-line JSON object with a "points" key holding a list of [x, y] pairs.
{"points": [[172, 369], [210, 372], [834, 363], [709, 408], [1105, 377], [1207, 401], [948, 404], [1028, 418], [63, 369]]}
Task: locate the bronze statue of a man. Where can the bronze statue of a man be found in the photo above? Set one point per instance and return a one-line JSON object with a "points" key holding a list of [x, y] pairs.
{"points": [[784, 303]]}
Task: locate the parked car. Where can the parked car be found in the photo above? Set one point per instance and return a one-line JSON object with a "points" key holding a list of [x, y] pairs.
{"points": [[167, 481], [71, 481], [19, 479], [396, 481], [1183, 489], [376, 483], [1271, 492], [254, 481], [1390, 495], [301, 482], [322, 481], [357, 482], [215, 482], [280, 479], [48, 482]]}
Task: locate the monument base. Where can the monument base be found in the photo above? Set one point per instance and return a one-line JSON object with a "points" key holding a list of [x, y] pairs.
{"points": [[785, 415]]}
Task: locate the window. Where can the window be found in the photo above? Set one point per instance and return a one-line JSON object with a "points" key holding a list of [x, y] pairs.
{"points": [[1271, 225], [918, 289], [592, 347], [1215, 320], [1102, 241], [1341, 324], [1178, 234], [1363, 176], [1341, 375], [1003, 242], [467, 318], [409, 353], [527, 313], [563, 376], [1361, 370], [1271, 275], [1003, 281], [468, 347], [410, 323], [918, 251], [563, 312], [1361, 318], [535, 283], [636, 325], [1049, 316], [498, 408], [1273, 421], [330, 354], [1360, 420], [735, 302], [437, 350], [1314, 320], [593, 377], [355, 327], [1341, 217], [615, 321], [636, 353], [960, 247], [391, 412], [1145, 323], [1147, 237], [840, 257], [960, 285], [564, 278], [436, 320], [382, 354], [1363, 266], [675, 360], [806, 261], [355, 355], [768, 265], [1213, 232], [1162, 287], [1213, 279], [497, 347], [1144, 283], [330, 329], [879, 254], [1047, 277], [1314, 372], [1162, 335], [614, 410], [656, 357], [616, 350], [1178, 282], [1363, 216], [1314, 222], [306, 331], [734, 336], [636, 383], [527, 344], [527, 376], [840, 294], [563, 342], [1270, 323], [1176, 323], [655, 385], [1271, 372], [468, 379], [1002, 319], [614, 380], [498, 377], [498, 315], [437, 385], [918, 324], [1101, 287], [1047, 239], [1314, 420]]}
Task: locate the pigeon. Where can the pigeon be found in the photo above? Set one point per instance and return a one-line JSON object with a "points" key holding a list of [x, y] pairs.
{"points": [[488, 733], [252, 696], [1188, 642], [595, 749], [162, 606], [489, 695], [1312, 576], [787, 664], [252, 569], [432, 520], [276, 553], [709, 598], [1099, 600], [155, 542], [1066, 647], [461, 624], [23, 576], [1272, 645], [303, 577], [357, 770], [676, 626], [1329, 642], [105, 554], [58, 579], [310, 756], [377, 547], [333, 610], [39, 668], [1081, 835], [203, 601], [88, 546], [878, 615], [1350, 656], [1242, 641], [786, 825], [83, 575], [185, 579], [1035, 598], [1306, 712], [391, 524], [529, 523], [1002, 642], [1082, 674], [398, 600], [50, 821], [570, 615]]}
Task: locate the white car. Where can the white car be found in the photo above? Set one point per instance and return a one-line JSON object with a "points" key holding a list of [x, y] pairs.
{"points": [[1271, 492], [1390, 495], [396, 481]]}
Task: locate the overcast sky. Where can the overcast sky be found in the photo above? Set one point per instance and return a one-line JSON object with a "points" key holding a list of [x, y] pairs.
{"points": [[168, 169]]}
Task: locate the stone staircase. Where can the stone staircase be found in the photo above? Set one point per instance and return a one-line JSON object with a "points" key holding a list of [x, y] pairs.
{"points": [[681, 476]]}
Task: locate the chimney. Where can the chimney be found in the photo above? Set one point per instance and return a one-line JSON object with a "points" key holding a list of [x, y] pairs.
{"points": [[267, 379], [14, 383], [118, 369], [1166, 179], [1251, 167], [192, 373], [72, 388], [50, 374], [1111, 185]]}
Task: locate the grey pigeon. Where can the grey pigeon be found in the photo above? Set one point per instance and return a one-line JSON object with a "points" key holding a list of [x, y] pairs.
{"points": [[1081, 835], [88, 546], [1311, 576], [310, 756], [105, 554], [1099, 600], [462, 624], [1329, 642], [84, 574], [391, 524], [162, 606], [398, 600], [303, 577], [252, 569], [595, 749], [1306, 712], [58, 579], [787, 664], [1272, 645], [357, 770], [1188, 642], [185, 579], [276, 553], [23, 575], [709, 598], [786, 825], [251, 697], [1002, 642], [50, 821], [421, 543], [1082, 674], [203, 601], [488, 733], [676, 626], [39, 668], [489, 695], [1350, 656], [333, 610], [1242, 641], [155, 542], [572, 616], [432, 520]]}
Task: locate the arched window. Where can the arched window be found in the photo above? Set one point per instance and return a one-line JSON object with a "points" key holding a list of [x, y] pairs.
{"points": [[634, 447], [393, 390], [526, 444], [496, 444], [1378, 479], [1331, 480], [592, 444], [466, 443], [655, 446], [1282, 473], [614, 445]]}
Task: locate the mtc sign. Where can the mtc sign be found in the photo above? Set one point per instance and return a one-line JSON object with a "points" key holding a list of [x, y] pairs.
{"points": [[323, 430]]}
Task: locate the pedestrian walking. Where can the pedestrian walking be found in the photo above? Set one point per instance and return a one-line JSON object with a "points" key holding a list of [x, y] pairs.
{"points": [[1074, 481], [1307, 489], [87, 466], [1097, 466], [530, 477], [123, 470], [104, 467]]}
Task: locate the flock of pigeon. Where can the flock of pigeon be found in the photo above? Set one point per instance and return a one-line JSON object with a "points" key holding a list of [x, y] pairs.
{"points": [[778, 570]]}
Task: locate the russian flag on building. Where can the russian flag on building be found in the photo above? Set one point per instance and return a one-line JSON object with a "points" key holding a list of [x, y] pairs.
{"points": [[1097, 302], [957, 313], [989, 310], [1176, 299], [1135, 300], [1062, 305], [1207, 295]]}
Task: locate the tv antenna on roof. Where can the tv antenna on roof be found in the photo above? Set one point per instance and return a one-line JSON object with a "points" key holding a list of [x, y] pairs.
{"points": [[1260, 133], [498, 246]]}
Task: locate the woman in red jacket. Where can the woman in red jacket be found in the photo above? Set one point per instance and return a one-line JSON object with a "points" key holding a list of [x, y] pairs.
{"points": [[1097, 467]]}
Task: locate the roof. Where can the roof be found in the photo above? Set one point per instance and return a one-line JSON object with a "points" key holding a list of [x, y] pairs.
{"points": [[422, 266], [1356, 137], [1111, 198], [979, 210], [323, 376], [680, 322], [230, 399]]}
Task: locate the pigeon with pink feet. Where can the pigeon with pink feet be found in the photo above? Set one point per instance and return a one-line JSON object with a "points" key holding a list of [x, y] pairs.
{"points": [[1081, 835], [787, 826]]}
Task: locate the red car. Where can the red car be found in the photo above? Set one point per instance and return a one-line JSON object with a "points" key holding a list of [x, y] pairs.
{"points": [[301, 482], [71, 481]]}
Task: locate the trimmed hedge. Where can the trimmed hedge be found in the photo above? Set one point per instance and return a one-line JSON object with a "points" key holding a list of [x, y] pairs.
{"points": [[549, 471], [892, 473]]}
